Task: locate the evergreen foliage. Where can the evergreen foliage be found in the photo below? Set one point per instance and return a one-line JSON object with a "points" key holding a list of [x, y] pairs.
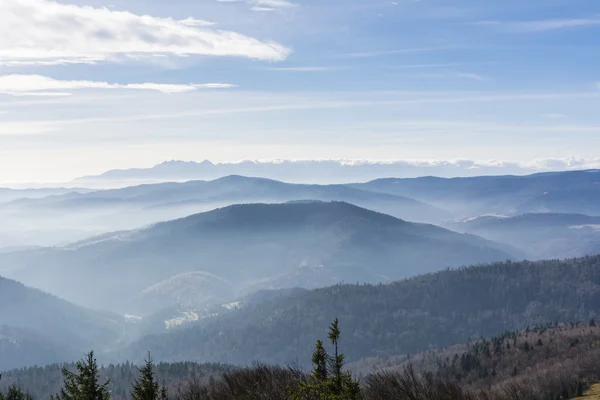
{"points": [[428, 311], [15, 393], [84, 385], [328, 381], [146, 387]]}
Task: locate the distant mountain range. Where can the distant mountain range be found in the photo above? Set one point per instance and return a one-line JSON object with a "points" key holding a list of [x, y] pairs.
{"points": [[312, 171], [541, 235], [558, 192], [250, 246], [64, 218], [194, 195], [15, 194]]}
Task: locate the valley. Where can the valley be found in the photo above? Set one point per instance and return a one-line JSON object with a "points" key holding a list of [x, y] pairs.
{"points": [[247, 270]]}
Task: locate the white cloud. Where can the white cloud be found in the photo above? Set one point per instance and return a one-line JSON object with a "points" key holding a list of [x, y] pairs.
{"points": [[264, 5], [263, 9], [42, 31], [410, 66], [542, 25], [58, 61], [272, 3], [379, 53], [470, 75], [37, 85], [303, 69], [196, 22], [451, 75]]}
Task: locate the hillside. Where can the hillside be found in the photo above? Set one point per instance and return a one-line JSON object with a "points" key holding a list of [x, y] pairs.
{"points": [[54, 219], [187, 291], [40, 328], [557, 192], [244, 244], [409, 316], [44, 381], [548, 359], [540, 235], [23, 347]]}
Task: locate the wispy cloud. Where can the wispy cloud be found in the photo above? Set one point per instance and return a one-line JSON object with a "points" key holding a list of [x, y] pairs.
{"points": [[37, 85], [46, 63], [304, 69], [264, 5], [555, 116], [315, 103], [273, 3], [417, 66], [541, 25], [453, 75], [380, 53], [42, 31]]}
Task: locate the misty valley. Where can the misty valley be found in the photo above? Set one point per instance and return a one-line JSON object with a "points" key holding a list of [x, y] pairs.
{"points": [[209, 277]]}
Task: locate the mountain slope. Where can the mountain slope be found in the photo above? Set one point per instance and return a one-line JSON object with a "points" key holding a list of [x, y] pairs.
{"points": [[187, 291], [417, 314], [59, 219], [226, 191], [558, 192], [56, 328], [244, 244], [541, 235]]}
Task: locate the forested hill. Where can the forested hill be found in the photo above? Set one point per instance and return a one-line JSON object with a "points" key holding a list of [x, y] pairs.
{"points": [[246, 243], [409, 316]]}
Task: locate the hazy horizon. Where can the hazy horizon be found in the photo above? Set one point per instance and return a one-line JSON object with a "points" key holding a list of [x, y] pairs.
{"points": [[456, 168]]}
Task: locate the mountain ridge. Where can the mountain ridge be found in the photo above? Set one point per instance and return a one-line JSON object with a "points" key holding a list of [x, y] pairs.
{"points": [[249, 242]]}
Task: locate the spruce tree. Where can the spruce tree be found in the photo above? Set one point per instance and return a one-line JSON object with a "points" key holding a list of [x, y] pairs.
{"points": [[319, 360], [164, 394], [337, 361], [145, 387], [83, 385], [328, 380], [14, 393]]}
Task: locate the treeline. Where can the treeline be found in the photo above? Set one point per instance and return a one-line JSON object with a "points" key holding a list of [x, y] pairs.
{"points": [[42, 382], [550, 359], [550, 362], [410, 316]]}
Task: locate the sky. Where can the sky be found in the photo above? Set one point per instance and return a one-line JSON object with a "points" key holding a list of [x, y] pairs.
{"points": [[87, 86]]}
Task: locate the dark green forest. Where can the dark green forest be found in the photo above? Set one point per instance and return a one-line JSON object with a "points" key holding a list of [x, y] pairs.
{"points": [[545, 362], [410, 316]]}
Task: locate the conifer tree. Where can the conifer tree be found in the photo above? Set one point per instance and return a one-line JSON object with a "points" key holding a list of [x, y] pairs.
{"points": [[145, 387], [83, 385], [319, 360], [337, 361], [328, 380], [14, 393], [164, 394]]}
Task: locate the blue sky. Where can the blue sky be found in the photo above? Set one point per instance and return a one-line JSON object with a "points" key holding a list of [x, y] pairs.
{"points": [[87, 86]]}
